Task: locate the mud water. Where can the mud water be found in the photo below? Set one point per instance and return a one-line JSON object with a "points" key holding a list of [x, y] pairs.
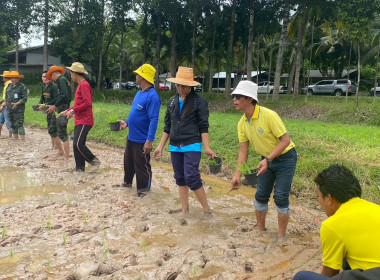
{"points": [[57, 224]]}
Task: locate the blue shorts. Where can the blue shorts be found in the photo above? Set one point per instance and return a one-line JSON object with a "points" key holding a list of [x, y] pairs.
{"points": [[279, 177], [186, 169], [2, 119]]}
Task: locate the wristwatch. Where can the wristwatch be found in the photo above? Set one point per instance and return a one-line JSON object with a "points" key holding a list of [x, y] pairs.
{"points": [[72, 112], [269, 161]]}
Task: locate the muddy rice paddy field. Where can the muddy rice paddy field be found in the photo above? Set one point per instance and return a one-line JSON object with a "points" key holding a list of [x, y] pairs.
{"points": [[57, 224]]}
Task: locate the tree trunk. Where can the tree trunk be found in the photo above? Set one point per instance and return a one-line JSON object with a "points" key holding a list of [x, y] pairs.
{"points": [[230, 51], [358, 85], [284, 31], [270, 69], [291, 77], [377, 67], [75, 27], [121, 59], [145, 26], [17, 46], [158, 51], [258, 72], [173, 52], [101, 36], [299, 51], [311, 56], [194, 39], [46, 35], [250, 40], [348, 71], [212, 62]]}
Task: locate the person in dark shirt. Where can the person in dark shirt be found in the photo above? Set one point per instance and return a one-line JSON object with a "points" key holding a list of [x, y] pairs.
{"points": [[62, 103], [186, 124]]}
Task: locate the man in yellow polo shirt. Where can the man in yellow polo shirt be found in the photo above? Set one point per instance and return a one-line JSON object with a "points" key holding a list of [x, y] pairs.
{"points": [[264, 130], [351, 231], [4, 114]]}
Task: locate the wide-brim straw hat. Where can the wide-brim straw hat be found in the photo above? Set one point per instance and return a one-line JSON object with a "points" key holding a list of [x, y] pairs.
{"points": [[146, 71], [5, 74], [185, 77], [247, 88], [53, 69], [14, 74], [77, 67]]}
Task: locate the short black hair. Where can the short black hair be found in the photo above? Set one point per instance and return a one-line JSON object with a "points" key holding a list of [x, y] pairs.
{"points": [[44, 71], [339, 182], [79, 74]]}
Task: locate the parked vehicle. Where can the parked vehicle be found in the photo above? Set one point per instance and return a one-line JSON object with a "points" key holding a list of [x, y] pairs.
{"points": [[163, 87], [377, 91], [264, 87], [332, 87], [130, 85], [198, 88]]}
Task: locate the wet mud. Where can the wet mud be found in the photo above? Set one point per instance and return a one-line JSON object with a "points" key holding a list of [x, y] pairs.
{"points": [[58, 224]]}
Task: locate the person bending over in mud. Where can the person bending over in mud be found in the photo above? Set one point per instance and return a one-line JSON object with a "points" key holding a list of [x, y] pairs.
{"points": [[265, 131], [350, 233]]}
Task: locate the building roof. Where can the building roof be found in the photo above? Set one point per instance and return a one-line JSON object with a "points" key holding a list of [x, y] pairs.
{"points": [[26, 49]]}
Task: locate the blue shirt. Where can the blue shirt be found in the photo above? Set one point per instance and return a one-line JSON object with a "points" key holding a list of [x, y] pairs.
{"points": [[143, 118], [196, 147]]}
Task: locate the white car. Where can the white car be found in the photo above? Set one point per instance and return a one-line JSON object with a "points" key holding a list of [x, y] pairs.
{"points": [[377, 91], [264, 87]]}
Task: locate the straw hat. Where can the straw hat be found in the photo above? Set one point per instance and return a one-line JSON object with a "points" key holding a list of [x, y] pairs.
{"points": [[5, 74], [185, 77], [14, 74], [146, 71], [53, 69], [247, 88], [77, 67]]}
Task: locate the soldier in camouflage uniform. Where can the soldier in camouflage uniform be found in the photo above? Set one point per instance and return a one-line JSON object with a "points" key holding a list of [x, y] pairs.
{"points": [[49, 97], [62, 103], [16, 97]]}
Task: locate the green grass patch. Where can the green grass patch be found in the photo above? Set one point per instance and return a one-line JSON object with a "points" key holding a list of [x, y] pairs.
{"points": [[319, 143]]}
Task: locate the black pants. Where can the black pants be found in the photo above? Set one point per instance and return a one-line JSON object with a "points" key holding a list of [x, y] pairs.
{"points": [[136, 162], [81, 152]]}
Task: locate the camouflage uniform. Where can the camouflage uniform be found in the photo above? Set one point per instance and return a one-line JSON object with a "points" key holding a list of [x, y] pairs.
{"points": [[62, 104], [49, 97], [16, 116]]}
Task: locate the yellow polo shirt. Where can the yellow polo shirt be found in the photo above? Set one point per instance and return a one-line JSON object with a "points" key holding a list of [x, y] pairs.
{"points": [[262, 131], [5, 89], [353, 232]]}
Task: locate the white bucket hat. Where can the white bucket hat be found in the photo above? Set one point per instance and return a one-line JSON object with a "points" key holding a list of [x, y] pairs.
{"points": [[247, 88]]}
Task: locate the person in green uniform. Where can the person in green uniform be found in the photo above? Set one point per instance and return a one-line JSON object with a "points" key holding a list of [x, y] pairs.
{"points": [[62, 103], [16, 97], [49, 97]]}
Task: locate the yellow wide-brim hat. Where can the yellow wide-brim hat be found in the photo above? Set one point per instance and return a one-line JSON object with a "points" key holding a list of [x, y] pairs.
{"points": [[146, 71], [14, 74], [5, 74], [185, 77], [77, 67], [53, 69]]}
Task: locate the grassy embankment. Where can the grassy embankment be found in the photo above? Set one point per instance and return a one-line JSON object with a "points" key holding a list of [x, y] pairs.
{"points": [[325, 130]]}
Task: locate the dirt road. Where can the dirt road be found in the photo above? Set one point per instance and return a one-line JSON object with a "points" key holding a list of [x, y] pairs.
{"points": [[57, 224]]}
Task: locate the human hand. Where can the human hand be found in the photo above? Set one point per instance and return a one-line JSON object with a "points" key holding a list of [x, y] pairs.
{"points": [[262, 167], [158, 153], [210, 153], [51, 109], [148, 147], [123, 124], [235, 182]]}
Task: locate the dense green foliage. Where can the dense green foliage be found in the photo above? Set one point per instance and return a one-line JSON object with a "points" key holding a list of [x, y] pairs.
{"points": [[319, 142]]}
